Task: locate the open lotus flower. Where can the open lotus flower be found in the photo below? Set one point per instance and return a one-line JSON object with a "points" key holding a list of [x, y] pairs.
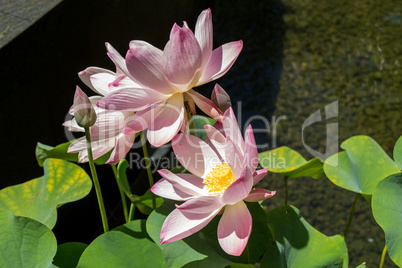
{"points": [[222, 179], [107, 132], [167, 78]]}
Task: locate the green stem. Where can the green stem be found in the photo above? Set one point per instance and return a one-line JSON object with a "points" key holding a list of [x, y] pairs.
{"points": [[96, 182], [352, 212], [122, 195], [384, 252], [247, 253], [272, 233], [286, 191], [149, 172], [131, 214]]}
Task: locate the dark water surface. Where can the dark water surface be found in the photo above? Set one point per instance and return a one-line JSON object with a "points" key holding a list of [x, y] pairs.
{"points": [[298, 56], [301, 55]]}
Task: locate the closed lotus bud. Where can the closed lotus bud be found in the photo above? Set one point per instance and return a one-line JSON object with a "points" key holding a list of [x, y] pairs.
{"points": [[221, 98], [84, 111]]}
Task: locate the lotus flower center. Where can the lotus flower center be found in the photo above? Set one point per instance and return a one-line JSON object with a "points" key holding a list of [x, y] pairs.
{"points": [[219, 179]]}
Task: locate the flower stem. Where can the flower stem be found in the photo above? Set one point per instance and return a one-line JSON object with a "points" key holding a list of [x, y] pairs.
{"points": [[149, 172], [122, 195], [286, 191], [131, 214], [384, 252], [352, 211], [247, 253], [96, 181]]}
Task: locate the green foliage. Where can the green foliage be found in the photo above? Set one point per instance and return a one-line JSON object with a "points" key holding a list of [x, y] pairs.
{"points": [[122, 177], [387, 211], [199, 123], [298, 244], [25, 242], [68, 254], [398, 152], [126, 246], [38, 199], [179, 169], [144, 202], [44, 152], [361, 166], [290, 163]]}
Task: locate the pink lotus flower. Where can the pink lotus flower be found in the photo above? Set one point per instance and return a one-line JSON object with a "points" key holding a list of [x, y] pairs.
{"points": [[223, 175], [106, 134], [166, 79]]}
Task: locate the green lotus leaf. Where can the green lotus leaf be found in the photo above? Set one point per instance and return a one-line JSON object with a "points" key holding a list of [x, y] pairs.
{"points": [[68, 254], [398, 152], [126, 246], [290, 163], [199, 122], [361, 166], [25, 242], [387, 211], [38, 199], [340, 242], [298, 244]]}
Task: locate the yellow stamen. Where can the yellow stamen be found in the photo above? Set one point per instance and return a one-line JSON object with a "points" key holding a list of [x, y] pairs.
{"points": [[219, 179]]}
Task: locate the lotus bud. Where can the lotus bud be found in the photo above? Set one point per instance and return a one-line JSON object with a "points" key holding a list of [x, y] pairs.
{"points": [[84, 111], [221, 98]]}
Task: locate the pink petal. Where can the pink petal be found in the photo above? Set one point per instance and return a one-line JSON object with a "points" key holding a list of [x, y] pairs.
{"points": [[239, 189], [194, 154], [124, 144], [234, 228], [259, 175], [259, 195], [131, 99], [142, 119], [165, 189], [203, 33], [101, 81], [109, 124], [145, 65], [180, 224], [168, 121], [221, 61], [187, 183], [205, 104], [122, 81], [216, 139], [73, 126], [231, 129], [86, 75], [117, 59], [182, 57], [221, 98], [202, 204], [250, 151], [234, 157], [99, 148]]}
